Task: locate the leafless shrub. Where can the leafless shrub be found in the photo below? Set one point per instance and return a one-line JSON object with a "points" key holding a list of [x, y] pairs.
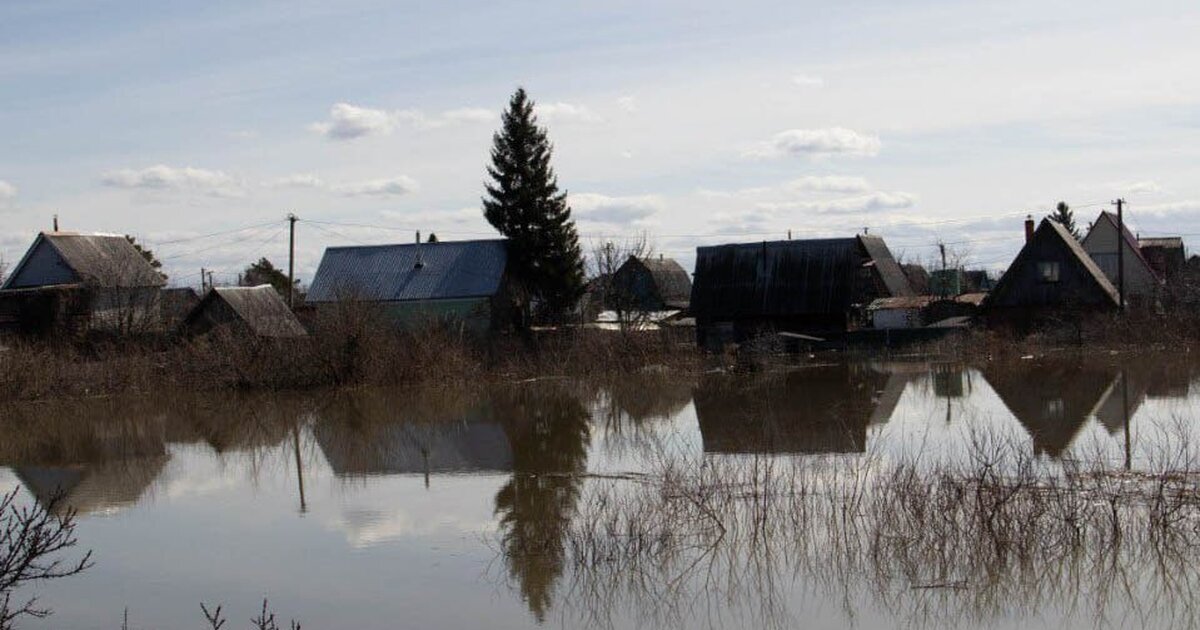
{"points": [[932, 543], [33, 539], [264, 621]]}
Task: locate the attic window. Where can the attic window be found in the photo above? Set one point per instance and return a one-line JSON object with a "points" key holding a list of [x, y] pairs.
{"points": [[1048, 272]]}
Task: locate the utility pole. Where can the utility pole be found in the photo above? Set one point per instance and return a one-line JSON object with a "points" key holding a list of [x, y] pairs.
{"points": [[203, 280], [56, 223], [291, 259], [1121, 250]]}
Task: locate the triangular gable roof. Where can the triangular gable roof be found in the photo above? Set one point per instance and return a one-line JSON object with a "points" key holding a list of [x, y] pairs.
{"points": [[425, 271], [1127, 236], [260, 308], [105, 260], [1071, 246]]}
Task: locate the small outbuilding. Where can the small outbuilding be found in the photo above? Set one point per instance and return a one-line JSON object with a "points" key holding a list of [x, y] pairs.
{"points": [[804, 286], [1165, 255], [649, 284], [1101, 243], [414, 284], [1051, 272], [79, 282], [257, 311]]}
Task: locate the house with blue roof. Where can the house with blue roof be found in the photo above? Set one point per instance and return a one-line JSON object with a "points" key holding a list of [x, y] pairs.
{"points": [[420, 283]]}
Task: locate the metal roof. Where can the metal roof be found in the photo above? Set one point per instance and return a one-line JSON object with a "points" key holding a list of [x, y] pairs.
{"points": [[103, 260], [1168, 242], [425, 271]]}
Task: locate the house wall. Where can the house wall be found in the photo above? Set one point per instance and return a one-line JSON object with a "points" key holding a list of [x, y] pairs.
{"points": [[896, 318], [125, 310], [43, 267], [474, 313], [1101, 245], [1022, 287]]}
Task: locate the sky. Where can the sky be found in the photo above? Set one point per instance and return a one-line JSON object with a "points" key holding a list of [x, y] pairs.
{"points": [[197, 127]]}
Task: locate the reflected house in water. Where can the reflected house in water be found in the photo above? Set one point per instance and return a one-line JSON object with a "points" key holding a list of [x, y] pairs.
{"points": [[377, 432], [822, 409], [99, 457], [1053, 399]]}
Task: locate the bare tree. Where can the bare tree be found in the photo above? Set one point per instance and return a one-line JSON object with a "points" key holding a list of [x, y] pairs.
{"points": [[607, 259], [32, 540]]}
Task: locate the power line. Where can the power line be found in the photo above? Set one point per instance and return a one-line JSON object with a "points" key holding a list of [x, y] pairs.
{"points": [[212, 234]]}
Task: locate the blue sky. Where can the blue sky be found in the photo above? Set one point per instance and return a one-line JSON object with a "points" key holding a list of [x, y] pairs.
{"points": [[693, 122]]}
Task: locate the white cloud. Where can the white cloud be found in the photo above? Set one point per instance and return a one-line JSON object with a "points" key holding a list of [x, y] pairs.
{"points": [[614, 210], [848, 205], [807, 80], [162, 177], [8, 191], [828, 183], [298, 180], [627, 103], [566, 112], [392, 187], [1137, 188], [817, 143], [347, 122]]}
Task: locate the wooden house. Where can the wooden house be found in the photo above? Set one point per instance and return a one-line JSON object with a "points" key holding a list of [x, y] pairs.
{"points": [[415, 284], [1101, 243], [805, 286], [257, 311], [69, 282], [649, 284], [1050, 273]]}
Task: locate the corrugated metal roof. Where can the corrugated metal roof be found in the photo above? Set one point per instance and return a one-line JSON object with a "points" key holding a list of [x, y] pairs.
{"points": [[672, 281], [260, 308], [103, 260], [426, 271], [1169, 242]]}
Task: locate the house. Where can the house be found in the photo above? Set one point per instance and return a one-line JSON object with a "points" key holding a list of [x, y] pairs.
{"points": [[818, 286], [463, 281], [1164, 254], [257, 311], [1051, 272], [917, 311], [649, 284], [176, 303], [1141, 283], [81, 282]]}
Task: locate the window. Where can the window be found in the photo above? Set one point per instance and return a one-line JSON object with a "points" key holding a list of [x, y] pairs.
{"points": [[1048, 271]]}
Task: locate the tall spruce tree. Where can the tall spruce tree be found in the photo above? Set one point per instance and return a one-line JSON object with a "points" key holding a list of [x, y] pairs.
{"points": [[1065, 217], [524, 204]]}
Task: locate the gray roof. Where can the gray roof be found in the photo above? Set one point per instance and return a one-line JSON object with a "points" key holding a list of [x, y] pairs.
{"points": [[425, 271], [674, 284], [105, 260], [259, 308], [889, 270]]}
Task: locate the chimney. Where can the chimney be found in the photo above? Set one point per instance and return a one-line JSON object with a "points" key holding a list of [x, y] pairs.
{"points": [[1028, 228], [420, 261]]}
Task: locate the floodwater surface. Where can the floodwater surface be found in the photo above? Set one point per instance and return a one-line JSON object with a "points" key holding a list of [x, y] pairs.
{"points": [[566, 503]]}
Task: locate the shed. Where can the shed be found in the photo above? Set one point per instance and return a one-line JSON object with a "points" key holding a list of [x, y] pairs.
{"points": [[80, 282], [257, 311], [416, 283], [649, 284], [1141, 283], [821, 285], [1050, 272], [1165, 255]]}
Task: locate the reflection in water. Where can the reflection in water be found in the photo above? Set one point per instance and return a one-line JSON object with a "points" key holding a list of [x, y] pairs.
{"points": [[523, 461], [822, 409], [550, 432], [387, 432]]}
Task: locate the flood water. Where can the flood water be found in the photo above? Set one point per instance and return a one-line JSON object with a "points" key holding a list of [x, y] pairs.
{"points": [[461, 508]]}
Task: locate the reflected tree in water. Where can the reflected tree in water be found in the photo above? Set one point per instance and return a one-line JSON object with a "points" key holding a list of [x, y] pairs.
{"points": [[549, 431]]}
